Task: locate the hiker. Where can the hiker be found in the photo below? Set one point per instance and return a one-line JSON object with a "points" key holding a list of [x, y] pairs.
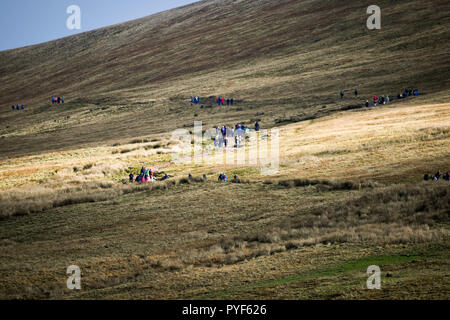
{"points": [[13, 108], [375, 99], [257, 126], [437, 175], [228, 102], [356, 93], [223, 177], [416, 93], [205, 177], [446, 177], [224, 131], [18, 107], [218, 101], [166, 177], [222, 101], [62, 100], [22, 107], [232, 101], [342, 94], [190, 176], [387, 99], [131, 177], [367, 103], [426, 177]]}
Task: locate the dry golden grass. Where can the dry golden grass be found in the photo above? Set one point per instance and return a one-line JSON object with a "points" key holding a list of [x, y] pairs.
{"points": [[140, 241], [388, 144], [395, 143], [348, 193], [281, 60]]}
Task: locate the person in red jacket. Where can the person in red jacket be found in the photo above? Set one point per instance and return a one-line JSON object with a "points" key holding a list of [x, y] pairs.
{"points": [[375, 99]]}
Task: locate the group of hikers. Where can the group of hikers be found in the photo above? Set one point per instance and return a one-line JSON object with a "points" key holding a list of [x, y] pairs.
{"points": [[436, 176], [57, 100], [146, 175], [195, 100], [221, 101], [222, 177], [18, 107], [237, 133], [385, 99]]}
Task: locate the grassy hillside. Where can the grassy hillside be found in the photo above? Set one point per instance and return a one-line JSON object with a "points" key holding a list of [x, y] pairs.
{"points": [[235, 241], [282, 61], [349, 192], [348, 195]]}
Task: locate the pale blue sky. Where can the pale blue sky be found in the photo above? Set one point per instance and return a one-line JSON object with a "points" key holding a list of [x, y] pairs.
{"points": [[27, 22]]}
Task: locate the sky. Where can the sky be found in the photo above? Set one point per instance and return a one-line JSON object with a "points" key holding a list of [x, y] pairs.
{"points": [[28, 22]]}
